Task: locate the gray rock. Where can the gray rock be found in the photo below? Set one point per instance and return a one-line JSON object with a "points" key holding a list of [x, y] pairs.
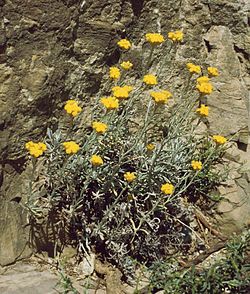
{"points": [[26, 279], [14, 234]]}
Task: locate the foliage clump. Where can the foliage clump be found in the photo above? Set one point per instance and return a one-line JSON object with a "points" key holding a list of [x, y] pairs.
{"points": [[126, 186], [230, 274]]}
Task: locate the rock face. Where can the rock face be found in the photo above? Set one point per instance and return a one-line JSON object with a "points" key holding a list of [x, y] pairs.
{"points": [[51, 51], [25, 278]]}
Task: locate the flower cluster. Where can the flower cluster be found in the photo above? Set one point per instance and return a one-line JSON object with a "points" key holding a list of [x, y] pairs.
{"points": [[72, 107], [176, 36], [213, 71], [193, 68], [114, 73], [203, 110], [154, 38], [150, 80], [161, 96], [126, 65], [129, 177], [71, 147], [124, 44], [96, 160], [99, 127], [203, 79], [110, 102], [167, 189], [219, 139], [35, 149], [121, 92], [196, 165], [204, 86]]}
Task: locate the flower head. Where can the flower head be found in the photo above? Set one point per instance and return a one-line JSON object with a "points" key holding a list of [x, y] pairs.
{"points": [[35, 149], [96, 160], [196, 165], [150, 147], [126, 65], [203, 79], [42, 146], [213, 71], [205, 88], [124, 44], [72, 107], [161, 96], [193, 68], [71, 147], [150, 80], [219, 139], [110, 102], [114, 73], [176, 36], [154, 39], [203, 110], [129, 177], [167, 189], [128, 88], [99, 127], [121, 92]]}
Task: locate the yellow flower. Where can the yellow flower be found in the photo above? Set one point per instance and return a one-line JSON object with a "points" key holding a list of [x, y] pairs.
{"points": [[96, 160], [219, 139], [193, 68], [161, 96], [128, 88], [129, 177], [167, 189], [175, 36], [203, 79], [29, 145], [42, 146], [213, 71], [99, 127], [203, 110], [205, 88], [114, 73], [196, 165], [126, 65], [150, 147], [35, 152], [154, 39], [35, 149], [72, 107], [110, 102], [124, 44], [71, 147], [150, 80], [121, 92]]}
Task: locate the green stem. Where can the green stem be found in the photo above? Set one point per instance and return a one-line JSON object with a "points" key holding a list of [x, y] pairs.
{"points": [[149, 62]]}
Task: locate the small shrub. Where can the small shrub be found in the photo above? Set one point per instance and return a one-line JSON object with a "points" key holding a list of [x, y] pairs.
{"points": [[125, 186]]}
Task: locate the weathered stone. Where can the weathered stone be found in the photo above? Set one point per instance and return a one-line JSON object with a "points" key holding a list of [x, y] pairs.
{"points": [[234, 207], [26, 279], [229, 114], [14, 234]]}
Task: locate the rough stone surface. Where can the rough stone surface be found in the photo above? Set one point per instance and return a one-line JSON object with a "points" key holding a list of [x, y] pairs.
{"points": [[14, 235], [54, 50], [26, 279]]}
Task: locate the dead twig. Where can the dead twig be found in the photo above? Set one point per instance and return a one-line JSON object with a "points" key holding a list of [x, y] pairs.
{"points": [[201, 217]]}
